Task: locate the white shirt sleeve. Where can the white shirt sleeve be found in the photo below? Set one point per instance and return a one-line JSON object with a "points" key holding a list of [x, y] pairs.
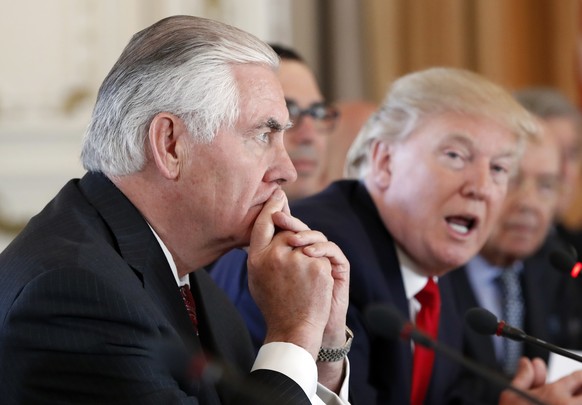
{"points": [[296, 363]]}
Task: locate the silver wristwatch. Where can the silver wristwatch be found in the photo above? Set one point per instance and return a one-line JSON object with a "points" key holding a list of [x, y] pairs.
{"points": [[338, 354]]}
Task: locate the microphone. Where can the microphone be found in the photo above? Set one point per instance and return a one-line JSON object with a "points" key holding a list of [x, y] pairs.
{"points": [[387, 322], [485, 323], [565, 263]]}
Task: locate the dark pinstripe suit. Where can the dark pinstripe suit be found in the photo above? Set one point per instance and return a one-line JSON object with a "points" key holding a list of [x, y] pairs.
{"points": [[90, 313]]}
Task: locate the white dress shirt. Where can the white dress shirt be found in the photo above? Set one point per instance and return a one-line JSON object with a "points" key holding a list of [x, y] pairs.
{"points": [[413, 282]]}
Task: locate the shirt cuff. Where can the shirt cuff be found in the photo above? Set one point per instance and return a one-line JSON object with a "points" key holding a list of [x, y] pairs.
{"points": [[330, 397], [291, 360], [297, 364]]}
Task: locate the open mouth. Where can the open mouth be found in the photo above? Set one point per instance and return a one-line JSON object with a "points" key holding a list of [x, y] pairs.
{"points": [[462, 224]]}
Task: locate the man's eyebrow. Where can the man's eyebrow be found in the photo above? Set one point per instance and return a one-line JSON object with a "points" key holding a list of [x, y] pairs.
{"points": [[272, 123], [468, 142], [460, 138]]}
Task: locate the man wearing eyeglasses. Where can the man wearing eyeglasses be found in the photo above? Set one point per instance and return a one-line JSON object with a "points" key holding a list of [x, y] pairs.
{"points": [[313, 121], [306, 143]]}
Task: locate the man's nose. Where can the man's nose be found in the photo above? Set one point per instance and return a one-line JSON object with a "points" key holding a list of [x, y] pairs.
{"points": [[282, 171], [479, 182]]}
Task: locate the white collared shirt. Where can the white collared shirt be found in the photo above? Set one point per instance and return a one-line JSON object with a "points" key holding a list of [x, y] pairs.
{"points": [[413, 282], [181, 281]]}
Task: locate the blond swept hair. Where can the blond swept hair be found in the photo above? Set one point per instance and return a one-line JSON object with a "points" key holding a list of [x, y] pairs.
{"points": [[420, 95]]}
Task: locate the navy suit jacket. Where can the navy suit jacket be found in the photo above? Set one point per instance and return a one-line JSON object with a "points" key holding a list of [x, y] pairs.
{"points": [[552, 308], [381, 370], [572, 239], [90, 313]]}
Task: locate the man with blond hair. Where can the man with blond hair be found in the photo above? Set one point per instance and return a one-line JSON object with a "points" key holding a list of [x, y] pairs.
{"points": [[431, 168]]}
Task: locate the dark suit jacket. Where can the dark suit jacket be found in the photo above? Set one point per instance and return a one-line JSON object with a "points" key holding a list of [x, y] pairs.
{"points": [[552, 308], [572, 239], [90, 313], [381, 370]]}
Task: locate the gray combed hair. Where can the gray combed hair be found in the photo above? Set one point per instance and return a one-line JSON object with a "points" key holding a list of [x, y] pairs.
{"points": [[180, 65], [420, 95], [549, 103]]}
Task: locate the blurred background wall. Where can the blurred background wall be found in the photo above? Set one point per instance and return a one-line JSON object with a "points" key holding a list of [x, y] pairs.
{"points": [[55, 53]]}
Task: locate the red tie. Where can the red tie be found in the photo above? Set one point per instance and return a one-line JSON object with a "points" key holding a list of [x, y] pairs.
{"points": [[190, 305], [427, 320]]}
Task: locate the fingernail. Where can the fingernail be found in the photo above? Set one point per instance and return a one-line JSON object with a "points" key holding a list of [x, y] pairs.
{"points": [[278, 194]]}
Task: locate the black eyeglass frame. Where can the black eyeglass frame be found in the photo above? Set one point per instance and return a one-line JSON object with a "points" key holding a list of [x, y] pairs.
{"points": [[324, 115]]}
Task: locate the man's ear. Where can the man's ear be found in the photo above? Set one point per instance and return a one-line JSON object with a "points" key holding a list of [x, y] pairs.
{"points": [[167, 136], [380, 159]]}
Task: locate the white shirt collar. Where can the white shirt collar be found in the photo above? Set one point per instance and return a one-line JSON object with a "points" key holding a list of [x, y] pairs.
{"points": [[412, 279], [179, 281]]}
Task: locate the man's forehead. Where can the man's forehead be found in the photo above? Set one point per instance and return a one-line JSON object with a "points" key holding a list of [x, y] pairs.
{"points": [[261, 98], [476, 140]]}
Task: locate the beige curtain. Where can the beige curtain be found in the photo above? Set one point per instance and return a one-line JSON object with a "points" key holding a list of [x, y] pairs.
{"points": [[514, 42]]}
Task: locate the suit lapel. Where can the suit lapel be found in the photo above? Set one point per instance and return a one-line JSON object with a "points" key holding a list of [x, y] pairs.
{"points": [[388, 283], [140, 249], [381, 246], [219, 322], [538, 281], [477, 346]]}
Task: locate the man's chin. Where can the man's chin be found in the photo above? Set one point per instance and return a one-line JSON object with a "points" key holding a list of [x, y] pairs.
{"points": [[454, 261], [241, 237]]}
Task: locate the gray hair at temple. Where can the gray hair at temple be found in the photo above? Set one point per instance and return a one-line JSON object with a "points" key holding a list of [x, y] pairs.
{"points": [[421, 95], [180, 65], [547, 103]]}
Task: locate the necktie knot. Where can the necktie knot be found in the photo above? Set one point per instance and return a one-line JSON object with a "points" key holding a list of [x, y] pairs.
{"points": [[429, 296]]}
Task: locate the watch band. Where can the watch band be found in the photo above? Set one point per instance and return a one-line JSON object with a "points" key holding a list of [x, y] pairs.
{"points": [[326, 354]]}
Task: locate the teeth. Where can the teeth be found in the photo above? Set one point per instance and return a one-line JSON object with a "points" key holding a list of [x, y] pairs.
{"points": [[459, 228]]}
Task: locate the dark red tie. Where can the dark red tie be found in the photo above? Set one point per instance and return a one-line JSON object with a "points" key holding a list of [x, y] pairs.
{"points": [[427, 320], [190, 305]]}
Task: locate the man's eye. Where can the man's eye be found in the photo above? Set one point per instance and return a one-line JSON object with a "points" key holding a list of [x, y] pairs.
{"points": [[500, 169], [452, 154], [454, 158], [319, 112], [547, 186], [264, 137]]}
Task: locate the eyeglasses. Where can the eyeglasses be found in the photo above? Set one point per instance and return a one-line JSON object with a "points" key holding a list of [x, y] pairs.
{"points": [[324, 116]]}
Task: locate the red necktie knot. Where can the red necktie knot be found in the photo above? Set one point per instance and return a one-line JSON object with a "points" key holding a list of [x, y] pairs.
{"points": [[429, 296]]}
